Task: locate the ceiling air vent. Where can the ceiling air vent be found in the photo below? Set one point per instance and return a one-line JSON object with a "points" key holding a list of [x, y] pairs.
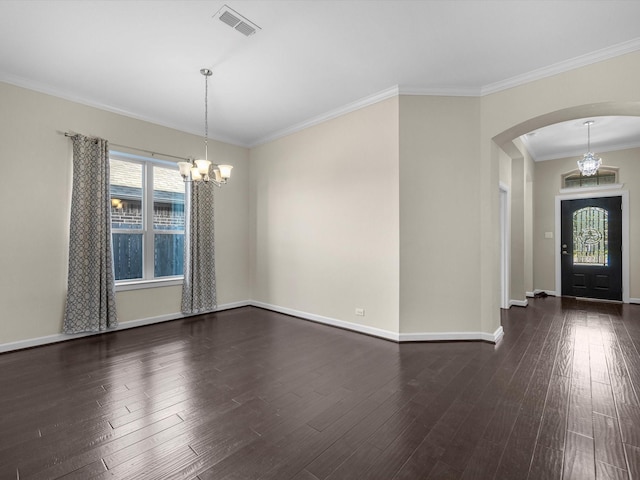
{"points": [[232, 18]]}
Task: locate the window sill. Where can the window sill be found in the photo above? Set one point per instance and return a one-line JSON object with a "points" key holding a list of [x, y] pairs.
{"points": [[142, 284]]}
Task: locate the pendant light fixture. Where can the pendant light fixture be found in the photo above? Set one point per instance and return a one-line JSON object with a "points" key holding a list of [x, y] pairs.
{"points": [[198, 171], [590, 163]]}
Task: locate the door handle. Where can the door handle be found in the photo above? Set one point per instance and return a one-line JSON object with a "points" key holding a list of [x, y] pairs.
{"points": [[565, 253]]}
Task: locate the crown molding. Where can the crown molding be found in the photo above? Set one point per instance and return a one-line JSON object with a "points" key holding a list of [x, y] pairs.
{"points": [[348, 108], [557, 68], [560, 67], [440, 91], [564, 66], [394, 91], [64, 95]]}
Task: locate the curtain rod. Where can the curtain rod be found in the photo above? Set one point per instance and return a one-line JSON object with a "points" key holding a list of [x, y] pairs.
{"points": [[71, 134]]}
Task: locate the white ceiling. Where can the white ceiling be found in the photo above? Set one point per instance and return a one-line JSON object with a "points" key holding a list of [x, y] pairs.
{"points": [[309, 60], [569, 139]]}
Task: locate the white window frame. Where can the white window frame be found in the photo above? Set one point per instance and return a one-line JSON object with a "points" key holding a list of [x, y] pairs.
{"points": [[148, 279]]}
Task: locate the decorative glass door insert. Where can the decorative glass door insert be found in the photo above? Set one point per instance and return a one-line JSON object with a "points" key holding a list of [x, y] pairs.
{"points": [[591, 236]]}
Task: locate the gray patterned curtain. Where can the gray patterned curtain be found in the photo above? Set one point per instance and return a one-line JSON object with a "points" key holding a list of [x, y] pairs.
{"points": [[199, 286], [91, 305]]}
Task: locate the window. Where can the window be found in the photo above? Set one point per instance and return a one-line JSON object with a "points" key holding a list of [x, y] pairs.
{"points": [[605, 176], [147, 218]]}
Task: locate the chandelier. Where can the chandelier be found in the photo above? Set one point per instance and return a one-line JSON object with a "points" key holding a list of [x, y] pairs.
{"points": [[198, 171], [590, 163]]}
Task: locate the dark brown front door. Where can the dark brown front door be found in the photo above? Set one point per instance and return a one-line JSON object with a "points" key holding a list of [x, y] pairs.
{"points": [[592, 248]]}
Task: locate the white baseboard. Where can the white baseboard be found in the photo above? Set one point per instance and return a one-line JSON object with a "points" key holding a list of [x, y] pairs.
{"points": [[530, 294], [498, 334], [518, 303], [634, 300], [452, 336], [356, 327], [386, 334], [61, 337]]}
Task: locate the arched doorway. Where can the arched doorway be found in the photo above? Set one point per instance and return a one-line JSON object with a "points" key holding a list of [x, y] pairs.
{"points": [[508, 142]]}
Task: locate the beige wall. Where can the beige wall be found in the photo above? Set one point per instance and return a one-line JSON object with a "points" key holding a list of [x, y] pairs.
{"points": [[548, 182], [439, 214], [519, 167], [504, 176], [325, 218], [522, 215], [518, 207], [504, 168], [529, 214], [33, 242]]}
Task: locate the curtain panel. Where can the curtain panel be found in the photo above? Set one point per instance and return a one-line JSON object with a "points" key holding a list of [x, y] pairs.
{"points": [[199, 286], [90, 305]]}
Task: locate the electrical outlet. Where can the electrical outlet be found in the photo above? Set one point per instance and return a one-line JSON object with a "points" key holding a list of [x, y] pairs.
{"points": [[360, 312]]}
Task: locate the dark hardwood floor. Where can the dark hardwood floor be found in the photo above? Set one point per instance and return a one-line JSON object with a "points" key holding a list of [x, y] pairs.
{"points": [[251, 394]]}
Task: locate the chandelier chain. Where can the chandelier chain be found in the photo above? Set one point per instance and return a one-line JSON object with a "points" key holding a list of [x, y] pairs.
{"points": [[206, 117]]}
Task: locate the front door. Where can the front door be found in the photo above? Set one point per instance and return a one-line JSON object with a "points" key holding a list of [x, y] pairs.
{"points": [[592, 248]]}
